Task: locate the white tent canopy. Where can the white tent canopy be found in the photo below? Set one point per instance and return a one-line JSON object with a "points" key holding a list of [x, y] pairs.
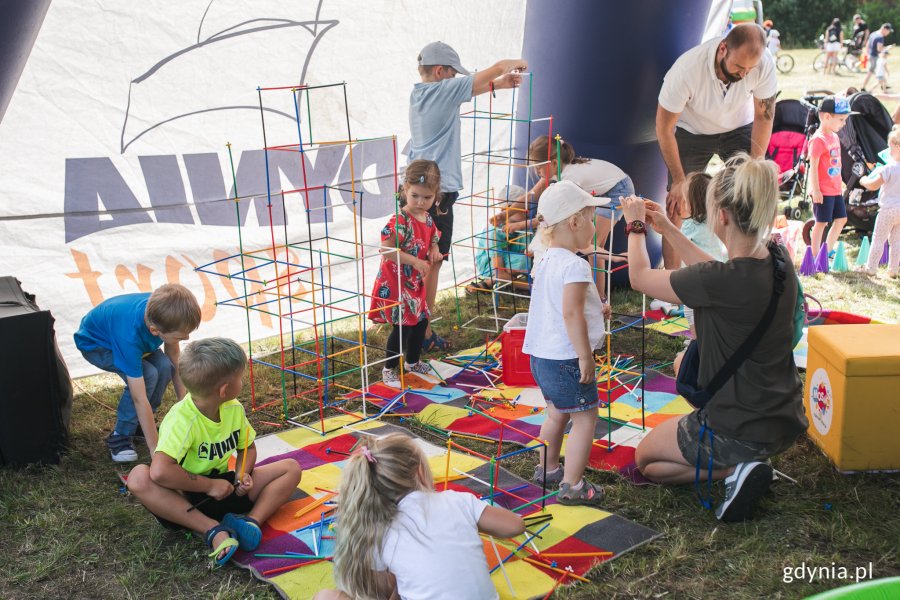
{"points": [[114, 140]]}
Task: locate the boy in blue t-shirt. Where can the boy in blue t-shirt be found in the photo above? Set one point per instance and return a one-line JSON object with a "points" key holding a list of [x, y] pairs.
{"points": [[122, 335], [434, 126]]}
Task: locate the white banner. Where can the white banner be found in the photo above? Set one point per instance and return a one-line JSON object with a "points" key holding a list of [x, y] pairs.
{"points": [[117, 176]]}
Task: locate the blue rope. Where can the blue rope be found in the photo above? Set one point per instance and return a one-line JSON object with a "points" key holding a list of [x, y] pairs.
{"points": [[705, 502]]}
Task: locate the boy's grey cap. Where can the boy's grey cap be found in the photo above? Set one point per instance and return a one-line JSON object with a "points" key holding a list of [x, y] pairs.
{"points": [[439, 53]]}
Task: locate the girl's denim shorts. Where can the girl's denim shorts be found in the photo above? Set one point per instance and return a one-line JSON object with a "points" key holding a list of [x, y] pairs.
{"points": [[558, 380]]}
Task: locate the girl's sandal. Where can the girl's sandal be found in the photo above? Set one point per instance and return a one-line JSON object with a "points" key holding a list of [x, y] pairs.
{"points": [[587, 495], [230, 544]]}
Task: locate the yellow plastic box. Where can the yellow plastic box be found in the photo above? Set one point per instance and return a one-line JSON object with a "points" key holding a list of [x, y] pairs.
{"points": [[853, 395]]}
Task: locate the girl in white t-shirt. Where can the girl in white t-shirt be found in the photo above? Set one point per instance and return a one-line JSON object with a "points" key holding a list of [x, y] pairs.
{"points": [[596, 177], [887, 223], [565, 324], [397, 537]]}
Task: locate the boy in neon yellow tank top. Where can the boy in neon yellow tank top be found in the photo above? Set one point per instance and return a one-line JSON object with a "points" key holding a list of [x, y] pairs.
{"points": [[190, 466]]}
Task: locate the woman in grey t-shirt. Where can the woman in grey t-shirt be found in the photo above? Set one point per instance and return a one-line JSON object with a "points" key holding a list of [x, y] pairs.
{"points": [[758, 412]]}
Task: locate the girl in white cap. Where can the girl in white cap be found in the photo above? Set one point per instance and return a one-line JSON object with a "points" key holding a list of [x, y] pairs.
{"points": [[565, 324]]}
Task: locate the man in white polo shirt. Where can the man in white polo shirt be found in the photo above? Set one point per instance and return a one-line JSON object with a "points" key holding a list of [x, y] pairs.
{"points": [[718, 98]]}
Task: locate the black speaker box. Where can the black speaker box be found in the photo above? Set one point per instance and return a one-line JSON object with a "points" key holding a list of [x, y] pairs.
{"points": [[35, 389]]}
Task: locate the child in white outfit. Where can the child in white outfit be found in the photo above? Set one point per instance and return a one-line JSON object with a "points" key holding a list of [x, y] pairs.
{"points": [[398, 538], [881, 70], [887, 223], [565, 324]]}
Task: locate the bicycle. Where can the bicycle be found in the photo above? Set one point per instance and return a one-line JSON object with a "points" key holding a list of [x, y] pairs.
{"points": [[848, 58], [784, 62]]}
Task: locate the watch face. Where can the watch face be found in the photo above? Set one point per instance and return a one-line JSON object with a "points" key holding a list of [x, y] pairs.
{"points": [[636, 227]]}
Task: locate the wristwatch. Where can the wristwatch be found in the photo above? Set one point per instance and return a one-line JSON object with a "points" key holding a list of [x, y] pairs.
{"points": [[636, 227]]}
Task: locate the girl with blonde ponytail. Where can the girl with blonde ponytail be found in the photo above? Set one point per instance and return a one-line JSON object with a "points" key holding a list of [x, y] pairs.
{"points": [[398, 538], [758, 410]]}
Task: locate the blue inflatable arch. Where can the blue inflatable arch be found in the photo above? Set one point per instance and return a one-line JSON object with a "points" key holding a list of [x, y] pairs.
{"points": [[598, 67]]}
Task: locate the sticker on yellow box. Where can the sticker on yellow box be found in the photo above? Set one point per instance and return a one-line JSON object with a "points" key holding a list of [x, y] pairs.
{"points": [[821, 402]]}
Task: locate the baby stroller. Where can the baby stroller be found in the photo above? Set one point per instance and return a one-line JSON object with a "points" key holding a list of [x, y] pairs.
{"points": [[862, 138], [795, 121]]}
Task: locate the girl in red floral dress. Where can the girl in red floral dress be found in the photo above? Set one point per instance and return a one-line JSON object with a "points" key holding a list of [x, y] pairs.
{"points": [[409, 245]]}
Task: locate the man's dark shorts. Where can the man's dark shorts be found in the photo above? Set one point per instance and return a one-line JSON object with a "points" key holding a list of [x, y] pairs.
{"points": [[696, 150]]}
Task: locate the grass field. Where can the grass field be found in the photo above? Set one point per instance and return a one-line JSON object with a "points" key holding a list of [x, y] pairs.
{"points": [[69, 532]]}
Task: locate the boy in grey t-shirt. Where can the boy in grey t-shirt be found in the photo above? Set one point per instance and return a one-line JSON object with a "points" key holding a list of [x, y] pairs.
{"points": [[434, 126]]}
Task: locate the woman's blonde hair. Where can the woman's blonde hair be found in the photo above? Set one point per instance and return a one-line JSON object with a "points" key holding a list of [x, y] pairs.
{"points": [[748, 189], [375, 479], [894, 136]]}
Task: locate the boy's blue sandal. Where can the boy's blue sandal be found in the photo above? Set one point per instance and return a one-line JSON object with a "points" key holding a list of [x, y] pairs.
{"points": [[248, 531], [231, 544]]}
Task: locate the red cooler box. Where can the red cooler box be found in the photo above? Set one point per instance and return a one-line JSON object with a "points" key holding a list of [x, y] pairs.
{"points": [[516, 364]]}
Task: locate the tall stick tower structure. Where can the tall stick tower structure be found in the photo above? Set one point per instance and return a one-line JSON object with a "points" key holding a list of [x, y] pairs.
{"points": [[316, 289], [502, 267], [498, 159]]}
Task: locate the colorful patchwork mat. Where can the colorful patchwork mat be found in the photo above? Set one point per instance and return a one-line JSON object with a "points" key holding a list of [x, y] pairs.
{"points": [[621, 425], [675, 325], [573, 530]]}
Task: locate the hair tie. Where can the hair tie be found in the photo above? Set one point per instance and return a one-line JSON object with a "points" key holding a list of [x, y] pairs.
{"points": [[421, 178], [364, 450]]}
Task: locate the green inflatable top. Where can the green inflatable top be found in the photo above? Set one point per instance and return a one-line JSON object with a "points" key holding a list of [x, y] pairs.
{"points": [[878, 589]]}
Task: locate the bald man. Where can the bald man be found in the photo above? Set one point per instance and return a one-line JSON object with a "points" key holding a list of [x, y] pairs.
{"points": [[717, 99]]}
